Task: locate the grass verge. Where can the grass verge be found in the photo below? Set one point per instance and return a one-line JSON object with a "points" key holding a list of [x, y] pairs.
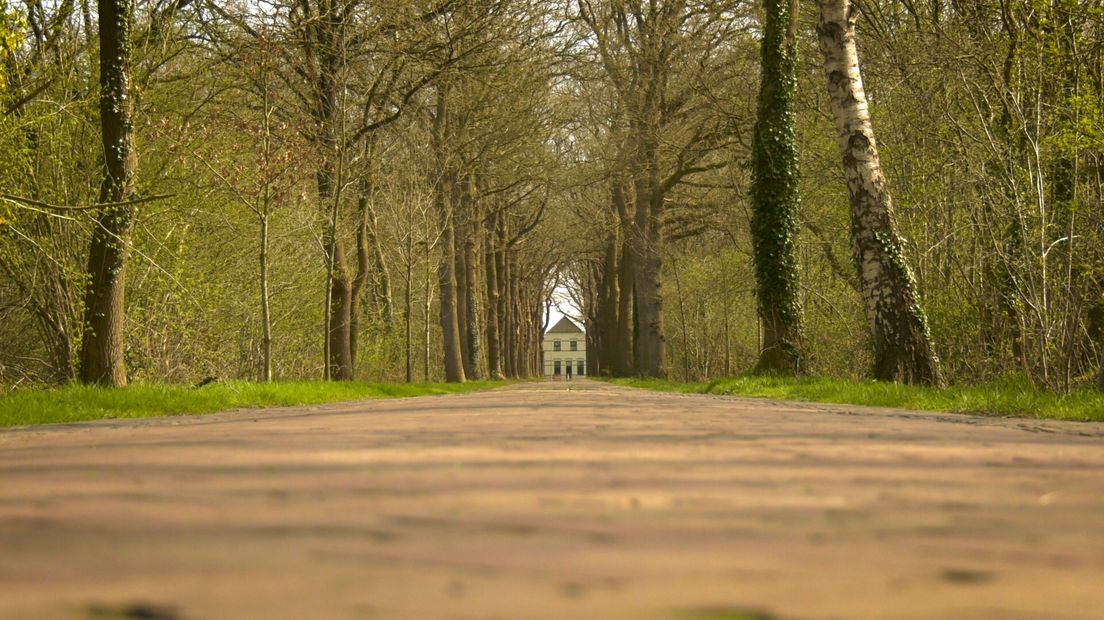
{"points": [[77, 403], [1009, 398]]}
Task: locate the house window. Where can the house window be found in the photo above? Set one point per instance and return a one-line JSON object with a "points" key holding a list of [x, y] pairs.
{"points": [[556, 366], [556, 346], [580, 369], [574, 345]]}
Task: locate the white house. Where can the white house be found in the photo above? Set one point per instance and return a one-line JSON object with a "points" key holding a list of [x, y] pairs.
{"points": [[564, 350]]}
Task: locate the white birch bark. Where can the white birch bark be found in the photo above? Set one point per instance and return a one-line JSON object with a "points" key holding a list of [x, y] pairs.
{"points": [[902, 345]]}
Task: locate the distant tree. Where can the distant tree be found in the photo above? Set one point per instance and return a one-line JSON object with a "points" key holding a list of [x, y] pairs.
{"points": [[664, 62]]}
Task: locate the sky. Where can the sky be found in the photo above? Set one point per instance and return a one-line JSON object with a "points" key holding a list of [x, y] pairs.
{"points": [[561, 303]]}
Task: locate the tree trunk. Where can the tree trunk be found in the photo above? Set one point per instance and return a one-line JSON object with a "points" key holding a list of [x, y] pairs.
{"points": [[623, 341], [408, 306], [378, 263], [446, 272], [407, 310], [102, 360], [330, 140], [505, 308], [339, 294], [366, 243], [903, 349], [460, 268], [427, 294], [263, 217], [475, 326], [450, 323], [266, 316], [609, 293], [1094, 323], [517, 317], [341, 317], [500, 290], [533, 342], [774, 194], [494, 340], [682, 322], [727, 335], [471, 329], [602, 309], [651, 349], [647, 245]]}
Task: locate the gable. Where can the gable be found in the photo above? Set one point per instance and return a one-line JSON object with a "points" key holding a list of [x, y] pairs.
{"points": [[565, 326]]}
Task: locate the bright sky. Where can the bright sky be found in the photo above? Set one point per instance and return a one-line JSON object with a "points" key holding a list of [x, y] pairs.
{"points": [[559, 305]]}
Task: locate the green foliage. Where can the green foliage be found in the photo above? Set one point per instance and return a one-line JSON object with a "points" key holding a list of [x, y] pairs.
{"points": [[995, 179], [1013, 396], [712, 316], [12, 25], [76, 403]]}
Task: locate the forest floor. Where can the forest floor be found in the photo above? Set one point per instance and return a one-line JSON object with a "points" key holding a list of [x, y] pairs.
{"points": [[554, 500]]}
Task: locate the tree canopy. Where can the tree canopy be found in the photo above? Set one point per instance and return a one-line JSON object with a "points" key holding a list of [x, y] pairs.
{"points": [[394, 189]]}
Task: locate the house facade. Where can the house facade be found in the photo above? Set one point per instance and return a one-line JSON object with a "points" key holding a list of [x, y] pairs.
{"points": [[564, 350]]}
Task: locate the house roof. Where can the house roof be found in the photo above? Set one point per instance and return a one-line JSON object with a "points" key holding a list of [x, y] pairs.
{"points": [[565, 326]]}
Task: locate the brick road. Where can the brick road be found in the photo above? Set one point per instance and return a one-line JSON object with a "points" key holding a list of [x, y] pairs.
{"points": [[558, 501]]}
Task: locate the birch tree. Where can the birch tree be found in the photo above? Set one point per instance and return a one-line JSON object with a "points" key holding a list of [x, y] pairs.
{"points": [[903, 349]]}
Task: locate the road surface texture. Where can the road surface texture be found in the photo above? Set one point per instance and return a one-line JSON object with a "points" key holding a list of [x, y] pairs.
{"points": [[558, 501]]}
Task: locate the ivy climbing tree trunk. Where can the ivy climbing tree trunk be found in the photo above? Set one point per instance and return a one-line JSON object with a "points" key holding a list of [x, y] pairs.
{"points": [[903, 348], [774, 194], [102, 360]]}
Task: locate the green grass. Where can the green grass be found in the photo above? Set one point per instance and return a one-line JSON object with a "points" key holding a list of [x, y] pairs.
{"points": [[1009, 398], [76, 403]]}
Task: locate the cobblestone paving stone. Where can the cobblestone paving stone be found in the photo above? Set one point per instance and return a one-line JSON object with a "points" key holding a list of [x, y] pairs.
{"points": [[554, 501]]}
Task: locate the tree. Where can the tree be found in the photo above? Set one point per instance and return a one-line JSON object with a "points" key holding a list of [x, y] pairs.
{"points": [[489, 140], [102, 344], [445, 199], [665, 63], [903, 348], [774, 193], [609, 146], [45, 108]]}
